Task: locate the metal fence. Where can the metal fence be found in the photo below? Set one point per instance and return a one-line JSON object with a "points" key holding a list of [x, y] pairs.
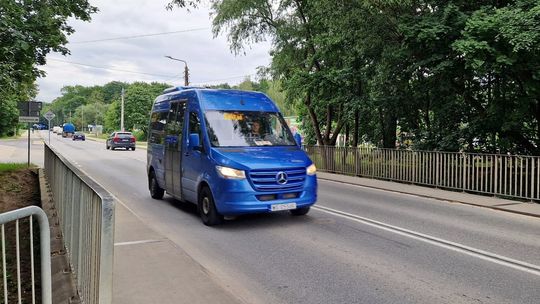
{"points": [[86, 214], [45, 253], [512, 176]]}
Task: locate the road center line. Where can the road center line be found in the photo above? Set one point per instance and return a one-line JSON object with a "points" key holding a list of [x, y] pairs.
{"points": [[474, 252]]}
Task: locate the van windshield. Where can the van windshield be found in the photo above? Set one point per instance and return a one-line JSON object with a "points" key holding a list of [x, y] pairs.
{"points": [[247, 129]]}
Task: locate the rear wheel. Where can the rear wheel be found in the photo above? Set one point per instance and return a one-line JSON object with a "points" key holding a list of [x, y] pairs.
{"points": [[207, 209], [156, 192], [133, 148], [300, 211]]}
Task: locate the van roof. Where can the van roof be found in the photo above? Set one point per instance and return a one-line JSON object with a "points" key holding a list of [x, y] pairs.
{"points": [[219, 99]]}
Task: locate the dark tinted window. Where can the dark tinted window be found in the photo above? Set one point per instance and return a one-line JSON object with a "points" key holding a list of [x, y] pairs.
{"points": [[175, 125], [157, 126], [158, 120], [195, 125], [124, 134]]}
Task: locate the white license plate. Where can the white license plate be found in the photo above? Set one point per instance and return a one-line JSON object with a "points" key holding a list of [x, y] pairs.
{"points": [[280, 207]]}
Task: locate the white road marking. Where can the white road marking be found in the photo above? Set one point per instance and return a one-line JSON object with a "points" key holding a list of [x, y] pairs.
{"points": [[474, 252], [137, 242]]}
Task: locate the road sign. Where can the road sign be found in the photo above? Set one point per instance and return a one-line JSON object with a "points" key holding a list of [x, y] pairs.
{"points": [[49, 115], [30, 108], [28, 119]]}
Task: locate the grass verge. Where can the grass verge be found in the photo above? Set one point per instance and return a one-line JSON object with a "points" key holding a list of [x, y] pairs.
{"points": [[4, 167]]}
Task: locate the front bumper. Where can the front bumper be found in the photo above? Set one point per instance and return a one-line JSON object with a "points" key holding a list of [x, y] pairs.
{"points": [[234, 197]]}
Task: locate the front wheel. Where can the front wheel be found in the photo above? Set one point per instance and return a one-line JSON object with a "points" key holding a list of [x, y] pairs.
{"points": [[207, 209], [156, 192], [300, 211]]}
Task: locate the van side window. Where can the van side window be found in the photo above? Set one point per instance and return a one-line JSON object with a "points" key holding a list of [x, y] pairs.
{"points": [[158, 120], [195, 125], [175, 125], [157, 127]]}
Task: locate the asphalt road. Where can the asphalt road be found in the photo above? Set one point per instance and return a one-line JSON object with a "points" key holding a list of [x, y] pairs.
{"points": [[358, 246]]}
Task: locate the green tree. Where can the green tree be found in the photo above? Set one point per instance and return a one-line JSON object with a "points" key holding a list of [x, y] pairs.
{"points": [[138, 104], [29, 30], [112, 117]]}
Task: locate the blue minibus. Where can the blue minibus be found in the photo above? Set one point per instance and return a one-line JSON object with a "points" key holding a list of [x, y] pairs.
{"points": [[229, 152]]}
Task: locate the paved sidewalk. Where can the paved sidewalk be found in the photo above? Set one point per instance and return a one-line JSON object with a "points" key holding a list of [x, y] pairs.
{"points": [[149, 268], [525, 208]]}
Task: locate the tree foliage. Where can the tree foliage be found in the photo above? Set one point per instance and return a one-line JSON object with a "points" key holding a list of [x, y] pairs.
{"points": [[100, 105], [430, 74], [29, 30]]}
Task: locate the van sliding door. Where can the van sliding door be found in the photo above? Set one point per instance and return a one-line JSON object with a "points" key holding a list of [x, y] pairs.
{"points": [[173, 147]]}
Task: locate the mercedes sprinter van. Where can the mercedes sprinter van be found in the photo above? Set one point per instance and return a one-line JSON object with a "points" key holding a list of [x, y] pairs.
{"points": [[229, 152]]}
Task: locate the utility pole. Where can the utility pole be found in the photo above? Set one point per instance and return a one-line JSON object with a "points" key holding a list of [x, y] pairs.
{"points": [[186, 70], [122, 112], [186, 75], [96, 120], [82, 118]]}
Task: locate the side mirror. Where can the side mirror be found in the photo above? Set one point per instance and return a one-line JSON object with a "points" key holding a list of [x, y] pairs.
{"points": [[194, 141], [298, 139]]}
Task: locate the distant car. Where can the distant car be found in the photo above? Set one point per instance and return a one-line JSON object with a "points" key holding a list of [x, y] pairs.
{"points": [[120, 140], [79, 136]]}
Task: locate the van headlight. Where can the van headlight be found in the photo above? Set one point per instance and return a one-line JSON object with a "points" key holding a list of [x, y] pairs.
{"points": [[311, 170], [231, 173]]}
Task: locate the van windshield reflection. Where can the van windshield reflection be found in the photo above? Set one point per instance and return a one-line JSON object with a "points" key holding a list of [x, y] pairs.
{"points": [[247, 129]]}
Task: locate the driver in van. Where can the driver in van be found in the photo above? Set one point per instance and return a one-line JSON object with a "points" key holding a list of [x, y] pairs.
{"points": [[255, 129]]}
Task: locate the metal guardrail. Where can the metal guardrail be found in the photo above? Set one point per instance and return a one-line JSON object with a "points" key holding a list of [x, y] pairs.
{"points": [[512, 176], [45, 252], [86, 214]]}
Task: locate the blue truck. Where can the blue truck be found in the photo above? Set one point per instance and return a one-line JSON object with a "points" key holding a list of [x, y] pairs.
{"points": [[229, 152], [68, 129]]}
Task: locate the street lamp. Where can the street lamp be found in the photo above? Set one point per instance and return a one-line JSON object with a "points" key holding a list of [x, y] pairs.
{"points": [[186, 70]]}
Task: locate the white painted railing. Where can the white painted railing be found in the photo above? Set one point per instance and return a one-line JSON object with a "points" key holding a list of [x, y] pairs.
{"points": [[511, 176], [15, 217], [86, 214]]}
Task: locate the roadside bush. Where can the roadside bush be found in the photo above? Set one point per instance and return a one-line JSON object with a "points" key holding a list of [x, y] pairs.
{"points": [[139, 135]]}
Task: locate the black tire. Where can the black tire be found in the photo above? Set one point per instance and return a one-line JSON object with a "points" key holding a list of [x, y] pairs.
{"points": [[156, 192], [299, 211], [133, 148], [207, 209], [107, 146]]}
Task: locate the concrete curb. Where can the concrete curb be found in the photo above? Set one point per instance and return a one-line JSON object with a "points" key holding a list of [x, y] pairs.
{"points": [[434, 196], [64, 289]]}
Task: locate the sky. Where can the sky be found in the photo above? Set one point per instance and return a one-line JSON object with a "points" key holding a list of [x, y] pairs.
{"points": [[209, 59]]}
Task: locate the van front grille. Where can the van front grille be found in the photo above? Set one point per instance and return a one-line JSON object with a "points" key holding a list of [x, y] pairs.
{"points": [[277, 179]]}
